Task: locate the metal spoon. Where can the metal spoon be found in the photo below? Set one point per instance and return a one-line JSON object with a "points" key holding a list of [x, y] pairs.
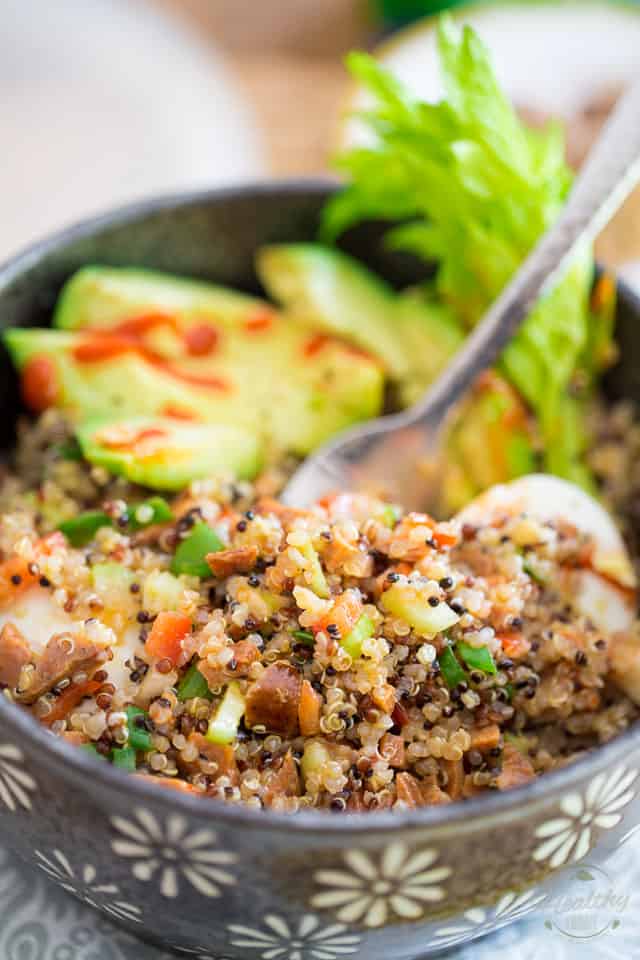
{"points": [[384, 454]]}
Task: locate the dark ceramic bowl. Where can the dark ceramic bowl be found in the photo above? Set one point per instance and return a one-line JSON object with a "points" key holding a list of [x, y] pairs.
{"points": [[229, 882]]}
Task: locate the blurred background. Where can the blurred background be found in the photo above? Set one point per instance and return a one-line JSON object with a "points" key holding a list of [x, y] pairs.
{"points": [[104, 101]]}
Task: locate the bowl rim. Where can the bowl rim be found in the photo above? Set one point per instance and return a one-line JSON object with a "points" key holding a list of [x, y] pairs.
{"points": [[67, 761]]}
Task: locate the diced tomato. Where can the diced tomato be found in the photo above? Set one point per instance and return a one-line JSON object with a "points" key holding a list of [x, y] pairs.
{"points": [[173, 783], [18, 574], [167, 633], [39, 384], [68, 699], [344, 613], [309, 710], [201, 339], [514, 645], [444, 535]]}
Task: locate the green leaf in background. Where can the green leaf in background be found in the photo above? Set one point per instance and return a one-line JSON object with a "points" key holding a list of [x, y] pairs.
{"points": [[474, 189]]}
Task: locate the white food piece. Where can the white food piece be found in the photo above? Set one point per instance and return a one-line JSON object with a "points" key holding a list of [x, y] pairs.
{"points": [[38, 618], [606, 591]]}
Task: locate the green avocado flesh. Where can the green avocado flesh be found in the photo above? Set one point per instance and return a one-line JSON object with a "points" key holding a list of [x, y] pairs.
{"points": [[104, 296], [431, 335], [292, 389], [330, 290], [167, 455]]}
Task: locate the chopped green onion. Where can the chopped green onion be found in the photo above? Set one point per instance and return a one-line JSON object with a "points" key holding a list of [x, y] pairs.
{"points": [[69, 450], [353, 641], [389, 515], [81, 530], [533, 573], [193, 684], [223, 727], [190, 556], [304, 636], [139, 736], [124, 757], [508, 689], [450, 668], [153, 510], [476, 658]]}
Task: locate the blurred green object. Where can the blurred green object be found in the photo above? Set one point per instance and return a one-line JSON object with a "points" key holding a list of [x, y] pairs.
{"points": [[401, 12]]}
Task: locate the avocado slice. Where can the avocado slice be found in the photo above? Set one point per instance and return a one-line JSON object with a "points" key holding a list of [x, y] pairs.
{"points": [[431, 334], [491, 441], [328, 289], [167, 455], [292, 389], [98, 296]]}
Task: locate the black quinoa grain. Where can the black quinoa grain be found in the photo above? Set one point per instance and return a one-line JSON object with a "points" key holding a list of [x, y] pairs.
{"points": [[446, 583], [253, 581], [434, 601], [241, 526], [44, 582], [134, 588], [143, 617], [16, 579]]}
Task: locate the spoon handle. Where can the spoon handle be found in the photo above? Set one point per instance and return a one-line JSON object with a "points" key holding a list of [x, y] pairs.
{"points": [[608, 176]]}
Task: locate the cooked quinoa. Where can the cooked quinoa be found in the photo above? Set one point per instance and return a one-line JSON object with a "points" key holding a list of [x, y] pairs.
{"points": [[344, 657]]}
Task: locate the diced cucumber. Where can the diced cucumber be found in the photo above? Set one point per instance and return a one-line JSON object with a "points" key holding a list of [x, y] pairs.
{"points": [[352, 643], [407, 601], [223, 727], [318, 581], [162, 591]]}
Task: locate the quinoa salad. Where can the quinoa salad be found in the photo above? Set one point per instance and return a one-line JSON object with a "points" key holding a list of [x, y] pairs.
{"points": [[161, 608], [346, 657]]}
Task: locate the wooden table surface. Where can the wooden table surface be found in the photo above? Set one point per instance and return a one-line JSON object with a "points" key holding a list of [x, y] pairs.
{"points": [[287, 56]]}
